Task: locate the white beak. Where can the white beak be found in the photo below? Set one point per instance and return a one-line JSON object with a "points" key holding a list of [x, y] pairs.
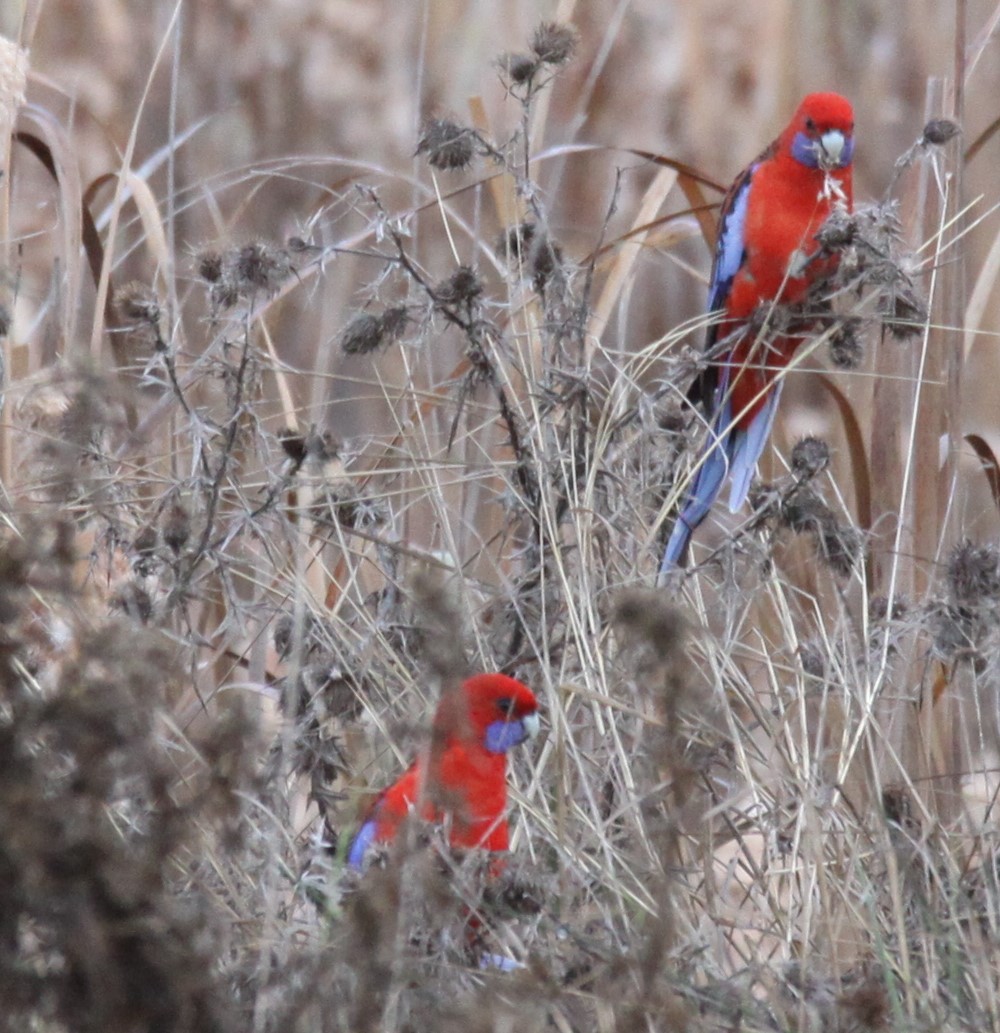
{"points": [[831, 148], [531, 725]]}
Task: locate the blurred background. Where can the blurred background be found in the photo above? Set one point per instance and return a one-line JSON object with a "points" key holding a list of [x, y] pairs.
{"points": [[708, 82]]}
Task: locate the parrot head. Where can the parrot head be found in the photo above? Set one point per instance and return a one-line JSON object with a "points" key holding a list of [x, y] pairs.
{"points": [[501, 711], [821, 133]]}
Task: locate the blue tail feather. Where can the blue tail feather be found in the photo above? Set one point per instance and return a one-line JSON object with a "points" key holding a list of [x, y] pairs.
{"points": [[729, 451], [715, 464], [750, 447]]}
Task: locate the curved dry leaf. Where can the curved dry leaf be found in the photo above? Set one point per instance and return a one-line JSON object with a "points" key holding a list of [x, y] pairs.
{"points": [[990, 466]]}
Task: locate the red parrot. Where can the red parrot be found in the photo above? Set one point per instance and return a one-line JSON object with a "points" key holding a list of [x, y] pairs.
{"points": [[463, 776], [766, 253]]}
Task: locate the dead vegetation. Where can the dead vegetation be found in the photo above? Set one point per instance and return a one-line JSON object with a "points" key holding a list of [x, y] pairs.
{"points": [[351, 387]]}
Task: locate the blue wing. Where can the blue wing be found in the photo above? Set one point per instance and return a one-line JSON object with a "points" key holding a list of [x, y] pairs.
{"points": [[726, 449], [730, 248], [363, 839]]}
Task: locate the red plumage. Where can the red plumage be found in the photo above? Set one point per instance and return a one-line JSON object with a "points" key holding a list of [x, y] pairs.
{"points": [[463, 775], [787, 206], [767, 253]]}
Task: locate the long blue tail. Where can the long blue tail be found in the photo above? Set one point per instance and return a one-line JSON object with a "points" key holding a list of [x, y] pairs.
{"points": [[728, 450]]}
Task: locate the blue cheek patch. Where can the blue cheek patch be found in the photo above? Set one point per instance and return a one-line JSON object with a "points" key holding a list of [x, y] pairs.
{"points": [[804, 151], [359, 847], [502, 735]]}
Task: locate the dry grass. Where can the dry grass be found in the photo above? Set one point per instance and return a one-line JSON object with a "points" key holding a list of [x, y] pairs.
{"points": [[297, 421]]}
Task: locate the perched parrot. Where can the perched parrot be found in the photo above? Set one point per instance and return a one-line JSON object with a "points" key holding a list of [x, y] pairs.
{"points": [[463, 775], [766, 252]]}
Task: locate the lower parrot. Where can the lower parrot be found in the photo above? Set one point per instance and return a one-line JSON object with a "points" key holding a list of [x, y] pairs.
{"points": [[463, 776]]}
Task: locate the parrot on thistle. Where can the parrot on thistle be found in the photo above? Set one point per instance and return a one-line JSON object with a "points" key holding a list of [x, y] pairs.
{"points": [[766, 254], [463, 775]]}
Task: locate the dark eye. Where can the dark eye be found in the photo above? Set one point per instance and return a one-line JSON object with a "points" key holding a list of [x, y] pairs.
{"points": [[507, 706], [810, 126]]}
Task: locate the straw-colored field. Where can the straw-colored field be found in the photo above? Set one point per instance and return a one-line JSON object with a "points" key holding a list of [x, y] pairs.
{"points": [[345, 351]]}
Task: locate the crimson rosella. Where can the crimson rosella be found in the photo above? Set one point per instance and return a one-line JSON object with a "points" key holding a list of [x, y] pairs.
{"points": [[463, 776], [766, 253]]}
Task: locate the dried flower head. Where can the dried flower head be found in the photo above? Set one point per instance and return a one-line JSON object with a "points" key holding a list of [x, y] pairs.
{"points": [[803, 511], [137, 303], [528, 249], [839, 231], [394, 322], [463, 286], [956, 630], [974, 573], [138, 308], [939, 131], [846, 349], [352, 510], [258, 266], [447, 144], [363, 334], [810, 456], [519, 69], [553, 44], [208, 263], [903, 311], [841, 546]]}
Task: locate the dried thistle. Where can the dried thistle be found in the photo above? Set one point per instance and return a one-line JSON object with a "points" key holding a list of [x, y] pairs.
{"points": [[810, 456], [554, 44], [842, 546], [846, 349], [137, 303], [447, 144], [527, 248], [208, 264], [258, 267], [462, 287], [939, 131], [362, 335], [139, 308], [839, 230], [519, 69], [974, 574], [903, 311], [839, 545], [394, 322], [803, 511]]}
